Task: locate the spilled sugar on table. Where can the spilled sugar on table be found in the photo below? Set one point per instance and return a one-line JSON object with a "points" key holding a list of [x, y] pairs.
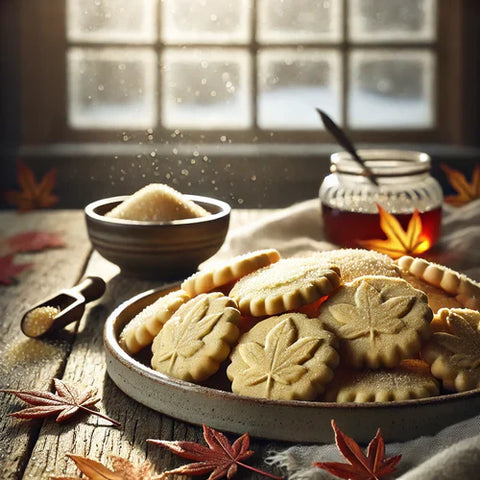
{"points": [[36, 449]]}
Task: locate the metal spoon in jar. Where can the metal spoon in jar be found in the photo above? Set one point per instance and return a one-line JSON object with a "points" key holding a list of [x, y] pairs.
{"points": [[346, 143]]}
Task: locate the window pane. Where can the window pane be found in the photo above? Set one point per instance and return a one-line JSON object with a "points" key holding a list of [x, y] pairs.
{"points": [[206, 21], [206, 88], [111, 21], [392, 20], [111, 88], [294, 21], [293, 83], [391, 89]]}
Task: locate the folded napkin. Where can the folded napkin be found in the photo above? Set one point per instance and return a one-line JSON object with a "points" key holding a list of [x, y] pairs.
{"points": [[454, 453]]}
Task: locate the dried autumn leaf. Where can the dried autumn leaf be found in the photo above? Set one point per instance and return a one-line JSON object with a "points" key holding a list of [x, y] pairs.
{"points": [[67, 401], [32, 195], [399, 242], [372, 466], [466, 192], [9, 270], [220, 458], [122, 469], [33, 241]]}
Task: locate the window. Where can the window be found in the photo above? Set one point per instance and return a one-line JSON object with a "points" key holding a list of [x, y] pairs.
{"points": [[253, 70]]}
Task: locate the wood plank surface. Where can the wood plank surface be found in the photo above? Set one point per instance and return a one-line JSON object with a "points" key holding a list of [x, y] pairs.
{"points": [[39, 448], [29, 363]]}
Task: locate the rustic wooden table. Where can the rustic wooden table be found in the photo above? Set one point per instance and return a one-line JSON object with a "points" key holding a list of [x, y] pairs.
{"points": [[36, 449]]}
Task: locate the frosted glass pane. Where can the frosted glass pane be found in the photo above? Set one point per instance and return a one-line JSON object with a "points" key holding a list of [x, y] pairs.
{"points": [[206, 88], [206, 21], [392, 20], [112, 20], [392, 89], [112, 88], [292, 83], [295, 21]]}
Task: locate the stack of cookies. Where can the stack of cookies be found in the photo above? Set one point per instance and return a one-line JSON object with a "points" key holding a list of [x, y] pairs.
{"points": [[345, 325]]}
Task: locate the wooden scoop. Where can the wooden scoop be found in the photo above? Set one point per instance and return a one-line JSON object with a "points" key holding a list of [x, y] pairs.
{"points": [[64, 308]]}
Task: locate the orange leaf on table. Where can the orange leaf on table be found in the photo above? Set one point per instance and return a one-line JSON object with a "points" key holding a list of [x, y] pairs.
{"points": [[466, 192], [122, 469], [32, 195], [219, 458], [372, 466], [9, 270], [399, 242]]}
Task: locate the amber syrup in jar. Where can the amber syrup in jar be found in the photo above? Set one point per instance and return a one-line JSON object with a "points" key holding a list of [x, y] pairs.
{"points": [[349, 199]]}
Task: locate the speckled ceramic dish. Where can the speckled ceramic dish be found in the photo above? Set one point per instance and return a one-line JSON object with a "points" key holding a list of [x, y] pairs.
{"points": [[158, 250], [295, 421]]}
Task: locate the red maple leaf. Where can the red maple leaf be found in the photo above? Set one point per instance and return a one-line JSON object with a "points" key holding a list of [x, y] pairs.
{"points": [[9, 270], [32, 195], [373, 466], [219, 458], [33, 241], [67, 400]]}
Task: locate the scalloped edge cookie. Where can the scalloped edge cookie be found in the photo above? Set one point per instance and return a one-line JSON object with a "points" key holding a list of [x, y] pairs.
{"points": [[207, 280], [358, 262], [197, 338], [144, 327], [465, 290], [458, 370], [409, 380], [383, 337], [284, 286], [289, 357]]}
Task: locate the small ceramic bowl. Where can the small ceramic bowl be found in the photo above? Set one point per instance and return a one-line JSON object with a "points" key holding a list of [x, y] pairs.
{"points": [[157, 250]]}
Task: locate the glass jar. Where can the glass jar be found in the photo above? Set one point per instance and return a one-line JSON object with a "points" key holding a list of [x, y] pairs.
{"points": [[349, 198]]}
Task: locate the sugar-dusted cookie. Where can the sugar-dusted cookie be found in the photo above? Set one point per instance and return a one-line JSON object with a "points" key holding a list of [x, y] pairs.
{"points": [[197, 338], [411, 379], [143, 328], [207, 280], [283, 358], [285, 285], [465, 290], [157, 203], [379, 321], [357, 262], [454, 354]]}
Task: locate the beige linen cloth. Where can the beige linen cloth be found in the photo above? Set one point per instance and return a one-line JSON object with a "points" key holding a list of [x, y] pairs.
{"points": [[453, 453]]}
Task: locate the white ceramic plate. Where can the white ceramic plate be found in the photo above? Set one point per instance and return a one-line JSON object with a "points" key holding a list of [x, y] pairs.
{"points": [[296, 421]]}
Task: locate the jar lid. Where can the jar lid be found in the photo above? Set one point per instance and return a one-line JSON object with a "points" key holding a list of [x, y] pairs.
{"points": [[382, 163]]}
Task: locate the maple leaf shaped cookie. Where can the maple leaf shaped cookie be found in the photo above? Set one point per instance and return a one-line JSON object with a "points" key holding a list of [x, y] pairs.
{"points": [[371, 315], [285, 357], [197, 338], [454, 352], [379, 320]]}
